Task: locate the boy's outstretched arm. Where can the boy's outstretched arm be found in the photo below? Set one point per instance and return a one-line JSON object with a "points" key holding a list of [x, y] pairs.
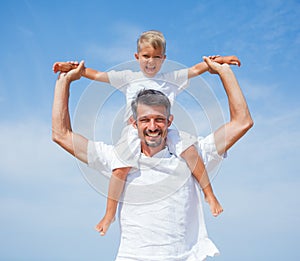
{"points": [[86, 72], [202, 67]]}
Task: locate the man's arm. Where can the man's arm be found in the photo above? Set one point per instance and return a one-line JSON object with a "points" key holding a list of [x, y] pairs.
{"points": [[62, 132], [240, 118]]}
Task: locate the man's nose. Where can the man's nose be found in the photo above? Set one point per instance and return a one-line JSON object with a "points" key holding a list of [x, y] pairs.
{"points": [[152, 125]]}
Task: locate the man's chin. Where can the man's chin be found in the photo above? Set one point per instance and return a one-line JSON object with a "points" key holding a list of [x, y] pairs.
{"points": [[153, 144]]}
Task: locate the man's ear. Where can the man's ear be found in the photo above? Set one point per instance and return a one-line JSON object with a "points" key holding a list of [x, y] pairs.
{"points": [[170, 120], [136, 55], [133, 122]]}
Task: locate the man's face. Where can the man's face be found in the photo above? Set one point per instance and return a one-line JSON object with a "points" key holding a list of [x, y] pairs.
{"points": [[150, 59], [152, 124]]}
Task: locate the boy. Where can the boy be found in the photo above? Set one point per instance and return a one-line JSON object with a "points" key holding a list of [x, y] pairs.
{"points": [[151, 48]]}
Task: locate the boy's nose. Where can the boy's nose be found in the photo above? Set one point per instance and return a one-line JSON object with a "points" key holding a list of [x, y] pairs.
{"points": [[150, 59]]}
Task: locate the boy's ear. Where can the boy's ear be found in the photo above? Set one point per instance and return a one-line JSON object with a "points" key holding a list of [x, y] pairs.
{"points": [[136, 55]]}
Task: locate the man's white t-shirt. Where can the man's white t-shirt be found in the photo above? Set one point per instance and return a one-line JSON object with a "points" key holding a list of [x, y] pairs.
{"points": [[161, 216]]}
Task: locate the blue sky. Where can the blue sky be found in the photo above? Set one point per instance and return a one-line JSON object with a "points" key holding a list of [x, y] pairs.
{"points": [[48, 210]]}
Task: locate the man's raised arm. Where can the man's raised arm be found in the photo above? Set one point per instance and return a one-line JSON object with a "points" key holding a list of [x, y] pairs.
{"points": [[240, 118], [62, 132]]}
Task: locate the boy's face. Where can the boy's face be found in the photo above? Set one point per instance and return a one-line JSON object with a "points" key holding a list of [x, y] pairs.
{"points": [[150, 59]]}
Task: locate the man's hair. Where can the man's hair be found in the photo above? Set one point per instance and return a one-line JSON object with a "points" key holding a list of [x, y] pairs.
{"points": [[151, 98], [154, 38]]}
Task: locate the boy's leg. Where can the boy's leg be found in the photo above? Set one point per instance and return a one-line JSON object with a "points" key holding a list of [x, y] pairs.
{"points": [[210, 197], [127, 152], [116, 186], [198, 170]]}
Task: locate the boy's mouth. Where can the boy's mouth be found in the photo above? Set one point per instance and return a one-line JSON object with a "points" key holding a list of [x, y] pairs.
{"points": [[150, 68]]}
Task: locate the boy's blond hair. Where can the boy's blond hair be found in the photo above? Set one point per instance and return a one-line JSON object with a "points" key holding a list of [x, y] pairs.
{"points": [[154, 38]]}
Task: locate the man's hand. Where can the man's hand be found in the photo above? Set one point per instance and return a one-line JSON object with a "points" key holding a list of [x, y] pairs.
{"points": [[214, 67], [74, 74]]}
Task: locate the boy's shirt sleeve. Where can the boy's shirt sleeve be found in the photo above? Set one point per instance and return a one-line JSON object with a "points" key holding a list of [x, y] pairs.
{"points": [[178, 78], [119, 79]]}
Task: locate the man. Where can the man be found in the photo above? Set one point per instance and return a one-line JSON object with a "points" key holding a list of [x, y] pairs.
{"points": [[168, 222]]}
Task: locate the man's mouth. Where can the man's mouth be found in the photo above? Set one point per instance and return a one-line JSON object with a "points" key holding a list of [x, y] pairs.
{"points": [[153, 138], [152, 134]]}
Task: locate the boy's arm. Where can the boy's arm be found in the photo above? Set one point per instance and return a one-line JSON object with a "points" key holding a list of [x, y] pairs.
{"points": [[62, 132], [202, 67], [86, 72], [240, 118], [95, 75], [197, 69]]}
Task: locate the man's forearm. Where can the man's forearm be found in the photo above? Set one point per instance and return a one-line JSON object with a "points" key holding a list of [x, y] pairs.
{"points": [[237, 104], [62, 132], [61, 124], [240, 118]]}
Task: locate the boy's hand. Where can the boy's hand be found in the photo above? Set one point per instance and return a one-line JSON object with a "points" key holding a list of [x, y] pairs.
{"points": [[64, 66], [232, 60]]}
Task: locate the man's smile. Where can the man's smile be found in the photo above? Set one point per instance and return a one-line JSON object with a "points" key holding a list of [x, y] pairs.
{"points": [[152, 134]]}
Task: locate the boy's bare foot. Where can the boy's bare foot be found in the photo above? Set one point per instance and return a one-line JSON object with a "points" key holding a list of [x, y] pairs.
{"points": [[215, 207], [64, 66], [104, 224], [233, 60]]}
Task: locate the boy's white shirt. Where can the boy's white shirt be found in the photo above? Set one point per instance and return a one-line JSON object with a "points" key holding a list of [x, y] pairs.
{"points": [[130, 82]]}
